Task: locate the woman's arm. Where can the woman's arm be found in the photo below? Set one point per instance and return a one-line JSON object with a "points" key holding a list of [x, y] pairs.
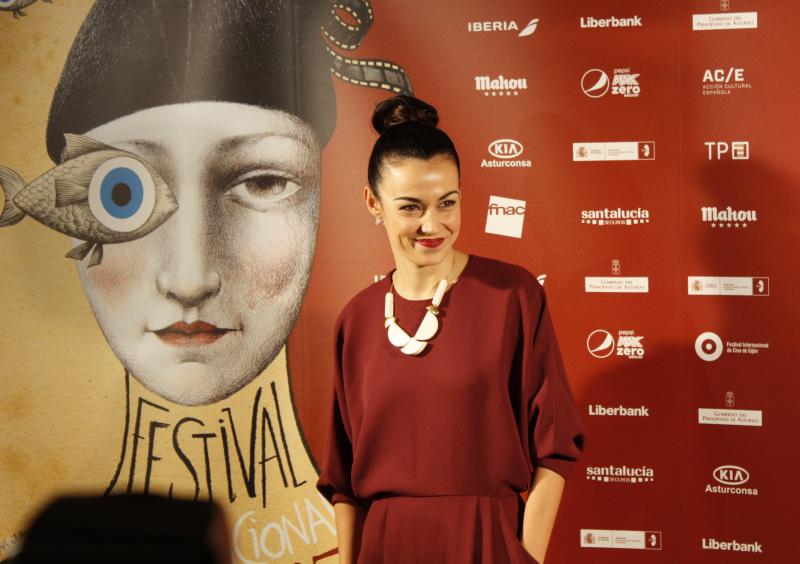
{"points": [[541, 508], [349, 522]]}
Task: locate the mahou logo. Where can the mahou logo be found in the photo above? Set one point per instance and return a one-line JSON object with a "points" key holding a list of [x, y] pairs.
{"points": [[727, 217], [500, 86]]}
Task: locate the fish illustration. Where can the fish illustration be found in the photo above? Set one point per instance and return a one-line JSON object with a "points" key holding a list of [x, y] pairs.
{"points": [[99, 194], [15, 6]]}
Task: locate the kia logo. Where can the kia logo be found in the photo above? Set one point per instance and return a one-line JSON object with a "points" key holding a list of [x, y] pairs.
{"points": [[505, 148], [731, 475]]}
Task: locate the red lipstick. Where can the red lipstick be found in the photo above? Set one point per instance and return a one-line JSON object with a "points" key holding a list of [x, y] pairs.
{"points": [[430, 243], [197, 333]]}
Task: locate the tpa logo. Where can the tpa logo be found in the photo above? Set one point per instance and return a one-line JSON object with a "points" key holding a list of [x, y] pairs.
{"points": [[731, 475], [735, 150], [505, 148]]}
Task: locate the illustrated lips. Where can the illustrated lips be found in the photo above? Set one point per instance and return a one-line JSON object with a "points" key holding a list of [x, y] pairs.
{"points": [[197, 333], [430, 242]]}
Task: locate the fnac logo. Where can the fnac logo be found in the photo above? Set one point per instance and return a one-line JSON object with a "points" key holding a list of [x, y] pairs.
{"points": [[497, 209], [731, 475], [505, 148]]}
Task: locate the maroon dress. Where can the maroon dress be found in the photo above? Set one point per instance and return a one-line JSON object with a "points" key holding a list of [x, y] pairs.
{"points": [[437, 447]]}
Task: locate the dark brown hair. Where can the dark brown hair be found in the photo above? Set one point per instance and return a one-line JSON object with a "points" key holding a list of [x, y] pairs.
{"points": [[407, 128]]}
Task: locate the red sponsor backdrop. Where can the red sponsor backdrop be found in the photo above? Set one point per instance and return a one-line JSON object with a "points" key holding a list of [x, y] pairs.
{"points": [[702, 97]]}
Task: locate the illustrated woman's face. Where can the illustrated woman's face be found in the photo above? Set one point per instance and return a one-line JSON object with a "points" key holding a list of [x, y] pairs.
{"points": [[420, 203], [200, 306]]}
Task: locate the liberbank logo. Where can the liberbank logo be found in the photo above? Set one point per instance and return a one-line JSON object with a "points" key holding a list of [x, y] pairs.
{"points": [[618, 216], [732, 546], [505, 152], [590, 22], [500, 85], [620, 474], [505, 216], [598, 410], [504, 26]]}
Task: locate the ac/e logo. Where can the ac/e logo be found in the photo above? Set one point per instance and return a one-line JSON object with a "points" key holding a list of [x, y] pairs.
{"points": [[729, 75]]}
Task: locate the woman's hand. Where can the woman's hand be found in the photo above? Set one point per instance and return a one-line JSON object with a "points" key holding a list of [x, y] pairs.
{"points": [[541, 508], [349, 523]]}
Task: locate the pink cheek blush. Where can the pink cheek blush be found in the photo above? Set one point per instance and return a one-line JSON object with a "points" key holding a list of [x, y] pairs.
{"points": [[266, 275], [116, 275]]}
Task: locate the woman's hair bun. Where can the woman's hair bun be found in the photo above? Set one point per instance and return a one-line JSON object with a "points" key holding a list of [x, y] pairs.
{"points": [[402, 109]]}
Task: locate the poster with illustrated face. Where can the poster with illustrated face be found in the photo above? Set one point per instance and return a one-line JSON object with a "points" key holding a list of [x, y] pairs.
{"points": [[169, 154]]}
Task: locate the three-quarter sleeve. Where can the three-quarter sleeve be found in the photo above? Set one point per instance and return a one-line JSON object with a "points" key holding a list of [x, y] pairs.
{"points": [[555, 433], [334, 481]]}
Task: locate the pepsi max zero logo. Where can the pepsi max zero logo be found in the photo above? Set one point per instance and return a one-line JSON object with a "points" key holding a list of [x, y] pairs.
{"points": [[601, 344]]}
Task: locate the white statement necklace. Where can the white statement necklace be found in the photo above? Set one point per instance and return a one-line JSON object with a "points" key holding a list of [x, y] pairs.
{"points": [[427, 328]]}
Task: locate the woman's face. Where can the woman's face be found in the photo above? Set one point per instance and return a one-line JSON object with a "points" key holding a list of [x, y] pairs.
{"points": [[420, 203], [200, 306]]}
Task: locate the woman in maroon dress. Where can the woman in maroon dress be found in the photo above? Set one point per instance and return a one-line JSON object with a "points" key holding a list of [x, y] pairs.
{"points": [[450, 397]]}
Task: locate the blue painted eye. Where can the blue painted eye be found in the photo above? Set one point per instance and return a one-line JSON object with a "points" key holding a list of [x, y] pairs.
{"points": [[7, 3], [122, 194]]}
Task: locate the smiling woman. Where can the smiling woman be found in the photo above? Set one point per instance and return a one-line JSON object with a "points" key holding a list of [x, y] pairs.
{"points": [[435, 432]]}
